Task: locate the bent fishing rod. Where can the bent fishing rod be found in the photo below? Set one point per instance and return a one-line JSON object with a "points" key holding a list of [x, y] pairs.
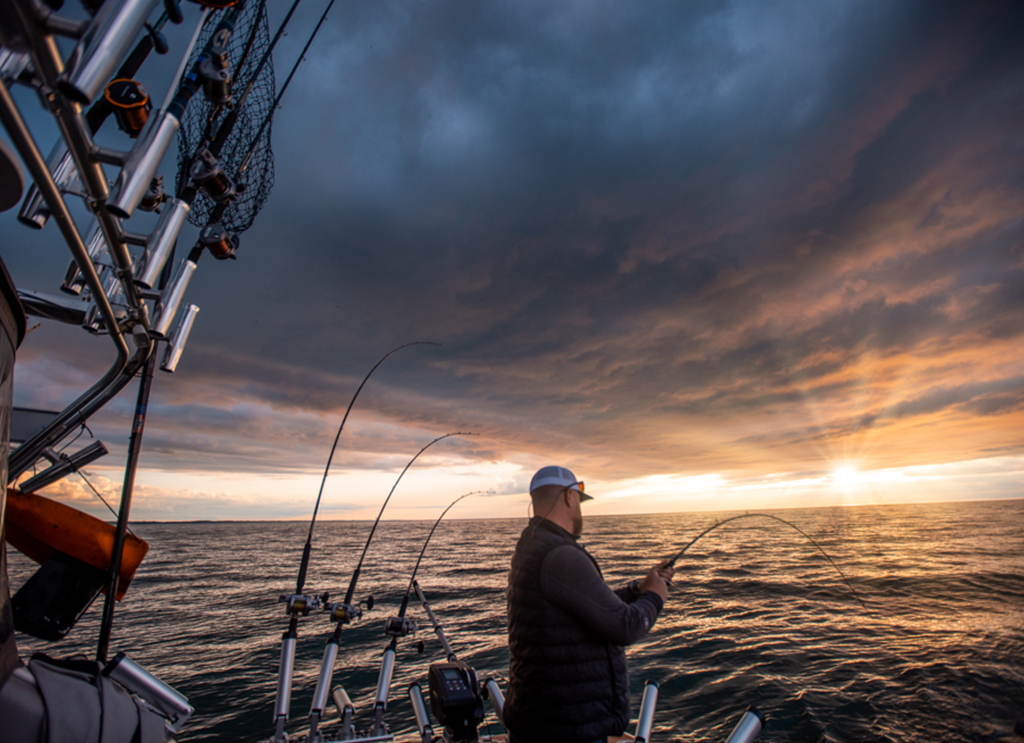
{"points": [[304, 564], [300, 604], [398, 626], [344, 612], [459, 716], [412, 578], [671, 562]]}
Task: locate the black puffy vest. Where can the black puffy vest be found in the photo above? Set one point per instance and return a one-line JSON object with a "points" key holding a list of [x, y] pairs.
{"points": [[565, 682]]}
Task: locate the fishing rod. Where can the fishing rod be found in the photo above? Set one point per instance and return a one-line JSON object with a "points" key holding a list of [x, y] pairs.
{"points": [[298, 603], [710, 529], [277, 100], [343, 613], [224, 244], [399, 626], [226, 126], [355, 575], [412, 578], [301, 581], [456, 694]]}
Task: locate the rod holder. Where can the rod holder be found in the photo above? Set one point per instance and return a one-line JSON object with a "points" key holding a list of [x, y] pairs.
{"points": [[137, 174], [34, 210], [64, 467], [419, 709], [347, 711], [496, 698], [74, 280], [284, 679], [166, 700], [177, 344], [161, 241], [645, 720], [749, 726], [172, 298], [323, 681], [102, 48], [387, 667]]}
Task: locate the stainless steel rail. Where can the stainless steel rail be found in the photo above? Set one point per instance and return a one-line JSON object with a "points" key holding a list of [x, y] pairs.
{"points": [[28, 453], [68, 115]]}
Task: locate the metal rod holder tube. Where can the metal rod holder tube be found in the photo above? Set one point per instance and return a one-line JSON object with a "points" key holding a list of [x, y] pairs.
{"points": [[34, 211], [387, 667], [419, 709], [74, 281], [438, 630], [646, 717], [323, 682], [177, 345], [749, 726], [171, 703], [74, 129], [63, 467], [161, 242], [172, 298], [143, 161], [103, 46], [347, 710], [496, 698], [284, 679], [27, 453]]}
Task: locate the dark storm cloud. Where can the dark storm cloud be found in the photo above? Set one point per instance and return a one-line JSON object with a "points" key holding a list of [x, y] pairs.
{"points": [[655, 237]]}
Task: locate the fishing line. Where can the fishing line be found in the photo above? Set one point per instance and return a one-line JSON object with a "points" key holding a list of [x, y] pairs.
{"points": [[229, 121], [355, 575], [93, 489], [78, 435], [240, 65], [412, 578], [710, 529], [277, 100], [344, 612], [304, 564]]}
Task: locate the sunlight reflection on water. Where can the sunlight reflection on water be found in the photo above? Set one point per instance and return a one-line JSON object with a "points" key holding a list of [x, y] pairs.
{"points": [[757, 615]]}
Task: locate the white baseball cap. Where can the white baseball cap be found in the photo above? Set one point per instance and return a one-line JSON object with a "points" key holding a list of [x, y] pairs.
{"points": [[552, 475]]}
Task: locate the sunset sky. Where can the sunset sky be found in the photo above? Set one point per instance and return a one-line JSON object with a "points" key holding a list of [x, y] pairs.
{"points": [[708, 255]]}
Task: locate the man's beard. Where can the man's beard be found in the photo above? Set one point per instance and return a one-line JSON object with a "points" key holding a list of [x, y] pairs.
{"points": [[577, 524]]}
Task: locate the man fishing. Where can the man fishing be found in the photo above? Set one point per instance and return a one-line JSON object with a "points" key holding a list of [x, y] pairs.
{"points": [[566, 628]]}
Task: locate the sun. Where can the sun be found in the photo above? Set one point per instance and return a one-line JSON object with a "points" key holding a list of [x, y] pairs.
{"points": [[846, 476]]}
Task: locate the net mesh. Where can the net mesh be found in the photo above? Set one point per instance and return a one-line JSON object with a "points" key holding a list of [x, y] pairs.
{"points": [[202, 119]]}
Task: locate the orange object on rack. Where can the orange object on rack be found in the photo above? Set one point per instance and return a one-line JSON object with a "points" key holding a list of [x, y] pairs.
{"points": [[38, 526]]}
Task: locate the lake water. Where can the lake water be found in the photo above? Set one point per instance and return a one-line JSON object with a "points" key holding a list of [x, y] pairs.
{"points": [[756, 616]]}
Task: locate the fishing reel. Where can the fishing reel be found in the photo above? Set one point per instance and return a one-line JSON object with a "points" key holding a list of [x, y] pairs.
{"points": [[216, 73], [209, 176], [299, 603], [456, 699], [130, 103], [344, 613], [221, 243], [399, 626]]}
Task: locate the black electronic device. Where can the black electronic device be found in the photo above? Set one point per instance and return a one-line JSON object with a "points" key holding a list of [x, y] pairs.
{"points": [[456, 699]]}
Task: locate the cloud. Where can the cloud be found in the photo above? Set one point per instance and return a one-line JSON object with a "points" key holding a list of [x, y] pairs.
{"points": [[655, 239]]}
